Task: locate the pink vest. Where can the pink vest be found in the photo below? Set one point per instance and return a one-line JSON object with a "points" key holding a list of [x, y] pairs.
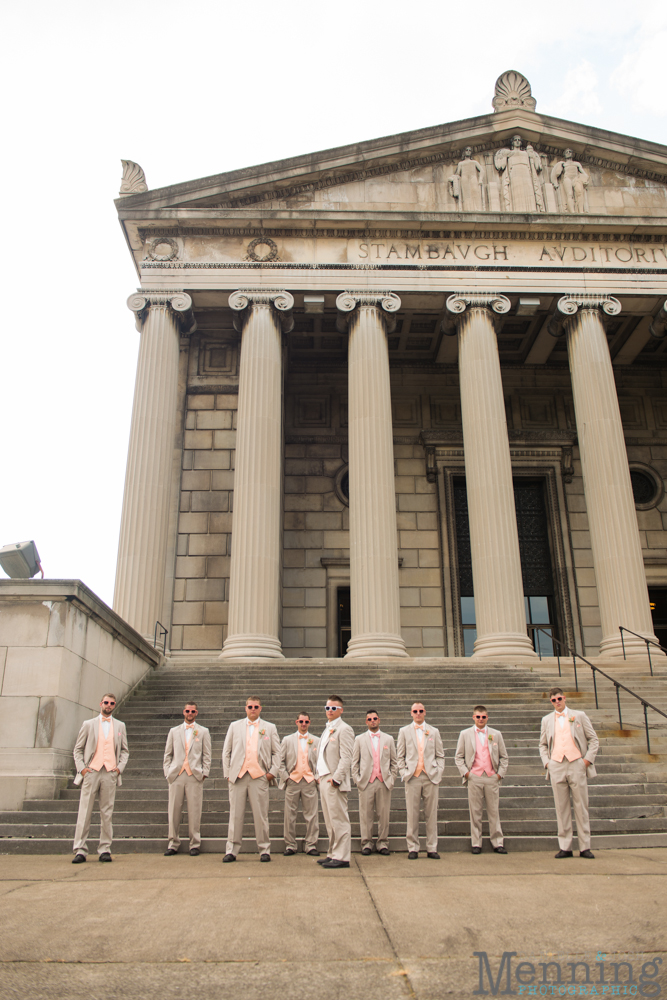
{"points": [[186, 762], [482, 764], [105, 755], [302, 770], [250, 763], [564, 745], [377, 770]]}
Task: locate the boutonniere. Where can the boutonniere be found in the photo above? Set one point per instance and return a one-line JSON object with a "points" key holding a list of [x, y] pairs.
{"points": [[428, 732], [310, 743], [196, 732], [262, 732], [571, 719], [331, 732], [490, 738]]}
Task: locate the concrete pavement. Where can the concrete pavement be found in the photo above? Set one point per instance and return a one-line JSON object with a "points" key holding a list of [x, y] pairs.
{"points": [[152, 927]]}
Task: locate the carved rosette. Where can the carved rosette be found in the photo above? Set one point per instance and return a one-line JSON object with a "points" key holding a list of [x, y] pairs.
{"points": [[387, 302], [460, 301], [243, 298], [180, 303], [569, 305]]}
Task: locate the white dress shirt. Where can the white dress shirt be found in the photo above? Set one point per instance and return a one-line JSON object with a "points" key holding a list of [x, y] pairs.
{"points": [[562, 717], [420, 729], [322, 768], [188, 734], [106, 722]]}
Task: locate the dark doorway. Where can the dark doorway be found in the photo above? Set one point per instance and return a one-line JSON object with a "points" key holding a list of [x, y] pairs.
{"points": [[536, 565], [658, 598], [344, 620]]}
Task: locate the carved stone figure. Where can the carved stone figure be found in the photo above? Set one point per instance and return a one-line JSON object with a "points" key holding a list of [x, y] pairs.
{"points": [[519, 169], [465, 183], [571, 178], [134, 179]]}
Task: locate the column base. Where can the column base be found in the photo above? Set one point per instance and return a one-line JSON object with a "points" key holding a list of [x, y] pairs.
{"points": [[634, 647], [504, 645], [251, 647], [374, 645]]}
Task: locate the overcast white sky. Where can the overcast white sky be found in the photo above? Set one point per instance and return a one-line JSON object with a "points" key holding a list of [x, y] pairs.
{"points": [[191, 89]]}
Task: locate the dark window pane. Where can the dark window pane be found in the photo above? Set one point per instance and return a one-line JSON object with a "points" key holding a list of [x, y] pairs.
{"points": [[643, 487], [539, 610], [469, 636], [468, 610]]}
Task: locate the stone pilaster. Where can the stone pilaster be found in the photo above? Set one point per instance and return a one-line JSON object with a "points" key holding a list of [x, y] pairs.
{"points": [[142, 548], [612, 519], [494, 539], [254, 599], [375, 608]]}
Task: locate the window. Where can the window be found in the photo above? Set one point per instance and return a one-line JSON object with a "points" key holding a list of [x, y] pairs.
{"points": [[344, 620]]}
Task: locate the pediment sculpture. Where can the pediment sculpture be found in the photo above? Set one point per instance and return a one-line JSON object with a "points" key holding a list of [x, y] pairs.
{"points": [[521, 184], [570, 181], [466, 184]]}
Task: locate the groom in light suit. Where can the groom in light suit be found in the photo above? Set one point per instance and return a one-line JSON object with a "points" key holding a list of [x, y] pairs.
{"points": [[374, 770], [334, 760], [421, 761], [100, 755], [298, 766], [250, 762], [482, 761], [187, 762], [568, 748]]}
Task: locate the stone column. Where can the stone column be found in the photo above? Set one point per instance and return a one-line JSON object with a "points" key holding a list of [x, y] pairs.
{"points": [[494, 540], [375, 607], [612, 519], [254, 598], [140, 571]]}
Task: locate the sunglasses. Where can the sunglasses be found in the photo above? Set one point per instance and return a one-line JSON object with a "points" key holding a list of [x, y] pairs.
{"points": [[333, 708], [372, 718], [418, 711], [481, 716], [557, 698], [253, 706], [108, 702], [189, 711]]}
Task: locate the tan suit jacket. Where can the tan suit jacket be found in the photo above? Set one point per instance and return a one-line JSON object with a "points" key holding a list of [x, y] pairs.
{"points": [[86, 745], [583, 735], [288, 756], [338, 755], [466, 749], [233, 751], [199, 756], [362, 760], [408, 753]]}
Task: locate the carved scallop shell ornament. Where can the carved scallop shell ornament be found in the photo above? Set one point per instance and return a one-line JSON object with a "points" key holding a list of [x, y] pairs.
{"points": [[513, 91]]}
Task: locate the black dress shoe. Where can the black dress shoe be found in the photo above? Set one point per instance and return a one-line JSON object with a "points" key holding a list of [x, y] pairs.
{"points": [[384, 851], [288, 852], [499, 850], [170, 852], [78, 859], [475, 850], [563, 854], [105, 857], [324, 861], [265, 857], [313, 852], [366, 851], [413, 855], [194, 852], [433, 854], [336, 864], [227, 858], [587, 854]]}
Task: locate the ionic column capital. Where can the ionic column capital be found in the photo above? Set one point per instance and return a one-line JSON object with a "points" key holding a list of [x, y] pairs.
{"points": [[461, 301], [179, 302], [570, 305], [387, 302], [244, 298]]}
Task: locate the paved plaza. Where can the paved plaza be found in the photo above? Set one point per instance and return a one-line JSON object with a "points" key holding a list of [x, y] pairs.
{"points": [[150, 927]]}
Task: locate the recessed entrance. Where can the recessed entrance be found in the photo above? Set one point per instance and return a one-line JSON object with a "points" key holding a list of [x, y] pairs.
{"points": [[658, 598], [344, 620]]}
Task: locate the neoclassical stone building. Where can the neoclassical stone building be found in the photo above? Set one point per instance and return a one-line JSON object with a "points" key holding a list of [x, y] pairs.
{"points": [[406, 397]]}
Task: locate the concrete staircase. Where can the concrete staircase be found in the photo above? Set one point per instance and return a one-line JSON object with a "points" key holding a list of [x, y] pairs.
{"points": [[628, 798]]}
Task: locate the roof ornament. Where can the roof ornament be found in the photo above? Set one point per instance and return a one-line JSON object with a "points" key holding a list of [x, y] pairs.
{"points": [[513, 91], [134, 179]]}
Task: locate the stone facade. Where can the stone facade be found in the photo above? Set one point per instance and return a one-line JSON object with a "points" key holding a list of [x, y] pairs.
{"points": [[486, 295]]}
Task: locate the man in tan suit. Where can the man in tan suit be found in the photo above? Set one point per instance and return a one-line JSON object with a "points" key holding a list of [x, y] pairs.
{"points": [[187, 762], [298, 766], [374, 770], [568, 748], [100, 755], [334, 760], [250, 761], [421, 761], [482, 761]]}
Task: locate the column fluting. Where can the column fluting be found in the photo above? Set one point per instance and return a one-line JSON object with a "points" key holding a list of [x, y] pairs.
{"points": [[143, 542], [617, 555], [494, 539], [254, 599], [375, 606]]}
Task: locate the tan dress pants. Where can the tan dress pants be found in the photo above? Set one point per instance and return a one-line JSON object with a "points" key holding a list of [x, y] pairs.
{"points": [[484, 788], [570, 778], [100, 782], [257, 790], [306, 792], [185, 786], [374, 800], [337, 819], [416, 789]]}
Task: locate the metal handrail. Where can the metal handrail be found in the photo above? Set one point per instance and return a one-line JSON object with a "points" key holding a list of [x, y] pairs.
{"points": [[617, 684], [649, 643], [164, 632]]}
